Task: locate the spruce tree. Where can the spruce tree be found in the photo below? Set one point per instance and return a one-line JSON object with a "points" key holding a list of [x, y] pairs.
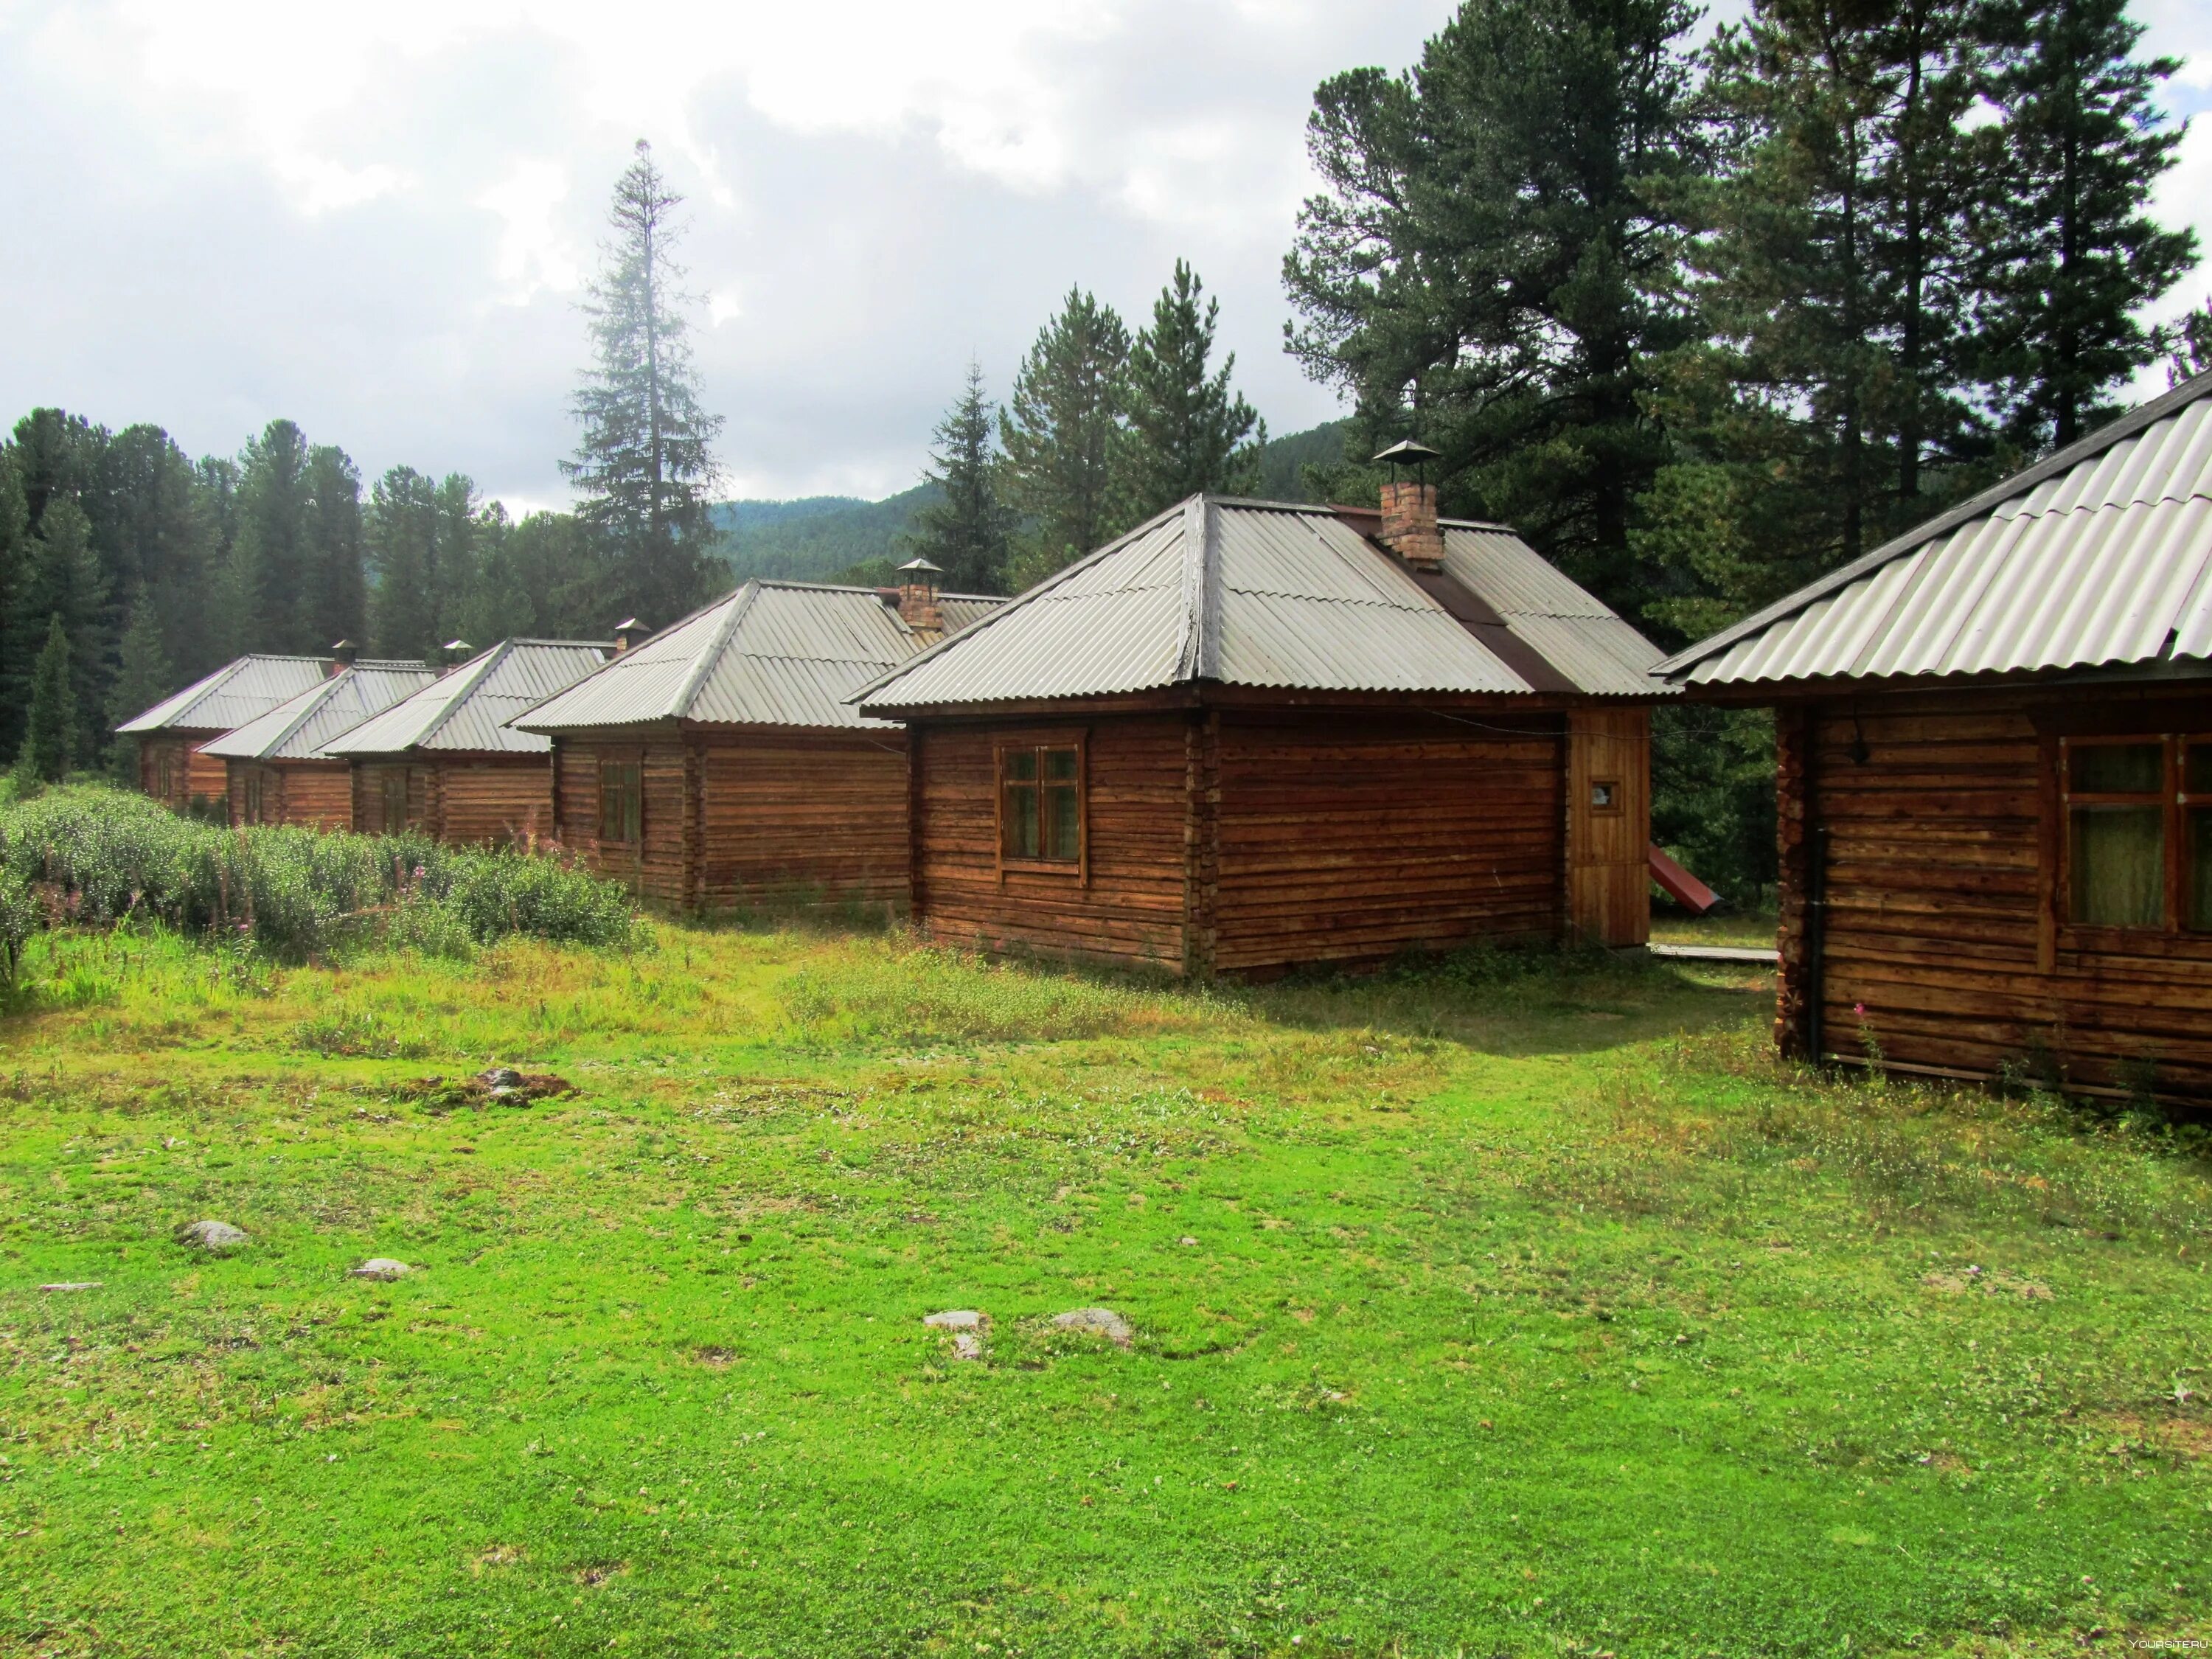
{"points": [[457, 569], [401, 534], [166, 538], [2072, 252], [143, 679], [60, 579], [644, 466], [271, 564], [1061, 433], [50, 721], [1490, 264], [336, 604], [1187, 430], [2187, 343], [14, 555], [967, 531]]}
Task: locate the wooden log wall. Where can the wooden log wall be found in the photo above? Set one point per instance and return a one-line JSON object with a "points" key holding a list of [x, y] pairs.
{"points": [[802, 816], [1131, 909], [1354, 837], [653, 868], [1943, 914], [487, 801], [192, 776], [369, 778], [310, 794]]}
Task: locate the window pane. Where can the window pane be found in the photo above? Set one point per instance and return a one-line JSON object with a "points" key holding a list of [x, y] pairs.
{"points": [[2120, 769], [1021, 821], [1059, 762], [1021, 763], [2197, 770], [2199, 869], [1063, 838], [2119, 866]]}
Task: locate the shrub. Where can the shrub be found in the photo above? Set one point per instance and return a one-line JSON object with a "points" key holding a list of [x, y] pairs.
{"points": [[292, 893]]}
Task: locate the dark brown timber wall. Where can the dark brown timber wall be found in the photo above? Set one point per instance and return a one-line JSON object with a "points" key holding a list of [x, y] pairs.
{"points": [[1126, 907], [312, 795], [734, 818], [1932, 827], [1355, 837]]}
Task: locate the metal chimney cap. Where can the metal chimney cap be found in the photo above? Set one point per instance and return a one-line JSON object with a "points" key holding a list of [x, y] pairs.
{"points": [[921, 568], [457, 645], [630, 625], [1407, 452]]}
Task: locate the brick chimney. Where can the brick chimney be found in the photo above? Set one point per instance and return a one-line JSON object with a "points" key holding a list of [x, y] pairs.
{"points": [[1409, 507], [342, 655], [1409, 524], [626, 633], [917, 597]]}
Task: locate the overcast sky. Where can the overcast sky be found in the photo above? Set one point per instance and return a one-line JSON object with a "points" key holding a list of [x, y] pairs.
{"points": [[375, 218]]}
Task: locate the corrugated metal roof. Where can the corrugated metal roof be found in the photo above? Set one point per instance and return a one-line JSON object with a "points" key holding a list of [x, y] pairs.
{"points": [[771, 654], [235, 693], [298, 729], [2100, 555], [1276, 595], [466, 710]]}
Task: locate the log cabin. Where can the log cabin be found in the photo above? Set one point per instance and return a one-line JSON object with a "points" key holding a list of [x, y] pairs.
{"points": [[276, 771], [1249, 735], [1995, 775], [445, 762], [171, 766], [717, 766]]}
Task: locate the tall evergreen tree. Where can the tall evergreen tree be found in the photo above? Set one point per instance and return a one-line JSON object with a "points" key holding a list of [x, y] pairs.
{"points": [[967, 531], [51, 731], [1061, 434], [60, 580], [2188, 345], [143, 679], [271, 560], [14, 559], [2074, 253], [454, 576], [402, 535], [166, 552], [645, 465], [336, 603], [1491, 259], [1187, 430]]}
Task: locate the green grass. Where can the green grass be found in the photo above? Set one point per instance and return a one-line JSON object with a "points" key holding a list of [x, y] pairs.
{"points": [[1729, 927], [1526, 1310]]}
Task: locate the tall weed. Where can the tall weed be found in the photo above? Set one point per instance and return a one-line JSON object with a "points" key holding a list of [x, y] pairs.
{"points": [[109, 855]]}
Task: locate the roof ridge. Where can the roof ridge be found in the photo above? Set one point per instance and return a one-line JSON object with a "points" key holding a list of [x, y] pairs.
{"points": [[2113, 432], [489, 660], [739, 603], [1020, 600]]}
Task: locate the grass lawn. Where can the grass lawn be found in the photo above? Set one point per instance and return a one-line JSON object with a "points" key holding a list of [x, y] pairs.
{"points": [[1756, 928], [1477, 1312]]}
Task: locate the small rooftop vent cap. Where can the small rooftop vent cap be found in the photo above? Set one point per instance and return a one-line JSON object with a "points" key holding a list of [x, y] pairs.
{"points": [[343, 652], [1406, 452], [626, 631]]}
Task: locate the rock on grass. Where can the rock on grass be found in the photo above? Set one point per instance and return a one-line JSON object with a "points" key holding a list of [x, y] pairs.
{"points": [[1097, 1322], [381, 1267], [215, 1236]]}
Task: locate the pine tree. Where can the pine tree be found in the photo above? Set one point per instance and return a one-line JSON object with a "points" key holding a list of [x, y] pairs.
{"points": [[967, 531], [60, 579], [270, 562], [1186, 431], [1490, 263], [2187, 343], [2074, 255], [336, 603], [644, 465], [165, 534], [401, 534], [457, 569], [50, 722], [14, 557], [1061, 434], [143, 679]]}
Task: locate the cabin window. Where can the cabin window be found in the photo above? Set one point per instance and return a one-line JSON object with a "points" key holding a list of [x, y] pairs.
{"points": [[1041, 804], [395, 799], [622, 800], [1605, 795], [2138, 832]]}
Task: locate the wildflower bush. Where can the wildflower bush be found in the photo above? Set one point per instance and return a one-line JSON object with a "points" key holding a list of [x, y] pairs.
{"points": [[103, 856]]}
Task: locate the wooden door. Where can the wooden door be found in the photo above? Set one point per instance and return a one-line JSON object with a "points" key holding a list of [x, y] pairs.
{"points": [[1609, 825]]}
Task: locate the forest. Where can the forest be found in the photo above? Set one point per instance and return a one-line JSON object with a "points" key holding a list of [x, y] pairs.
{"points": [[1701, 313]]}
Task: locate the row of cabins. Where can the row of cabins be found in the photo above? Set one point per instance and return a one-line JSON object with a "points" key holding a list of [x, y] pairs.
{"points": [[1252, 734]]}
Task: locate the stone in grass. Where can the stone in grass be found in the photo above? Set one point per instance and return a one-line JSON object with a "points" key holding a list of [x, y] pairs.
{"points": [[958, 1319], [1097, 1322], [966, 1345], [381, 1268], [500, 1079], [73, 1284], [215, 1236]]}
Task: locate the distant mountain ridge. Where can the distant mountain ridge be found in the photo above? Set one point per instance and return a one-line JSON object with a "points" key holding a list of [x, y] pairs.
{"points": [[818, 537]]}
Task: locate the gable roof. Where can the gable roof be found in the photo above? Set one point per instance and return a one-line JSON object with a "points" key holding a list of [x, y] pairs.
{"points": [[1279, 595], [2100, 555], [771, 654], [235, 693], [466, 710], [298, 728]]}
